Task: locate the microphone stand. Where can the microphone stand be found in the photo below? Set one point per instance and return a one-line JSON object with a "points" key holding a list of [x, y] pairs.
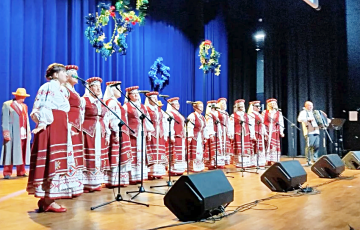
{"points": [[121, 123], [225, 133], [186, 140], [216, 122], [170, 118], [277, 124], [257, 141], [142, 117], [242, 170], [292, 133]]}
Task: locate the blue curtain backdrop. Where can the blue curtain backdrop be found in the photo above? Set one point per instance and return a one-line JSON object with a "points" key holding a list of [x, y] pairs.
{"points": [[36, 33], [216, 86]]}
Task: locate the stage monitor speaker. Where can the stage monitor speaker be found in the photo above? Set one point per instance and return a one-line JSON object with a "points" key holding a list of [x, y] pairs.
{"points": [[352, 160], [328, 166], [197, 196], [284, 176]]}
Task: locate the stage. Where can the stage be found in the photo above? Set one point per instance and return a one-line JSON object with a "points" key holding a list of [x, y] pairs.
{"points": [[335, 206]]}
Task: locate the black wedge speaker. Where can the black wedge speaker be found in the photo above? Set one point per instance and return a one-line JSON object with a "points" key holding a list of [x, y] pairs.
{"points": [[328, 166], [352, 160], [197, 196], [284, 176]]}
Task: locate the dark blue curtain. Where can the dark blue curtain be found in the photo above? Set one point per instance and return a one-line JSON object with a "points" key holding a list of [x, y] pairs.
{"points": [[36, 33]]}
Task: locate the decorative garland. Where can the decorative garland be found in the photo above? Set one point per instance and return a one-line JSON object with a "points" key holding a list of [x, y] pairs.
{"points": [[123, 26], [209, 58], [159, 75]]}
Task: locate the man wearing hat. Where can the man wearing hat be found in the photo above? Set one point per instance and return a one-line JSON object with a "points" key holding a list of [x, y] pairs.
{"points": [[16, 133]]}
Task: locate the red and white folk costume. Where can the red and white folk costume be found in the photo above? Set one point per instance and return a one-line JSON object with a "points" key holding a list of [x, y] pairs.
{"points": [[210, 144], [259, 145], [243, 132], [197, 133], [75, 118], [52, 165], [135, 138], [274, 124], [224, 135], [96, 136], [155, 147], [16, 133], [111, 99], [178, 164]]}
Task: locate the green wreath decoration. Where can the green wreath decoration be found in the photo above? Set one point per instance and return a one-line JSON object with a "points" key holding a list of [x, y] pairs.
{"points": [[209, 58], [123, 26]]}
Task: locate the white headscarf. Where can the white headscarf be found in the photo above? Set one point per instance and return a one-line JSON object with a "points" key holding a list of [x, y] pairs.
{"points": [[109, 92], [169, 108]]}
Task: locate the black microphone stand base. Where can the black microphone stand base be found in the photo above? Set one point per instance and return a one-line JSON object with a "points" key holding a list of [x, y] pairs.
{"points": [[142, 190], [118, 199], [168, 184]]}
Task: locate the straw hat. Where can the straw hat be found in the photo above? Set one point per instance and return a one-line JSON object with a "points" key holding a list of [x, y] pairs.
{"points": [[21, 92]]}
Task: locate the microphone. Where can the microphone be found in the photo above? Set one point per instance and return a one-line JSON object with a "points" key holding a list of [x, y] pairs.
{"points": [[77, 77], [164, 96], [143, 91], [189, 102], [277, 109]]}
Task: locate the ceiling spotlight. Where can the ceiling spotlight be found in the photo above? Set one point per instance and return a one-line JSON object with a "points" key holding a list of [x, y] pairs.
{"points": [[259, 36], [257, 49]]}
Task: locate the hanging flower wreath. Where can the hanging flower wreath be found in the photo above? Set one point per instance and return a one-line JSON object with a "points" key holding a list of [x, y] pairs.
{"points": [[159, 75], [209, 58], [123, 26]]}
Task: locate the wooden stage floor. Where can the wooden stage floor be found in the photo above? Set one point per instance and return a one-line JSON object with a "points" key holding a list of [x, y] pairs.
{"points": [[336, 206]]}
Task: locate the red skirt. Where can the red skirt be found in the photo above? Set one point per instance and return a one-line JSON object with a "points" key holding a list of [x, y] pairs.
{"points": [[248, 147], [78, 147], [89, 154], [155, 152], [114, 150], [48, 153]]}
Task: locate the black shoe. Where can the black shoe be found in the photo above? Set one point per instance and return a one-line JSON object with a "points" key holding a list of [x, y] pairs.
{"points": [[24, 175], [7, 177]]}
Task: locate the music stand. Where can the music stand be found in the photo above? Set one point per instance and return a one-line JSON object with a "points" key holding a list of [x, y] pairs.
{"points": [[337, 124]]}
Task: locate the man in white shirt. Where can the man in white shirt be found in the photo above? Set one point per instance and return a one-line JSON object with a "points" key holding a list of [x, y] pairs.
{"points": [[311, 132]]}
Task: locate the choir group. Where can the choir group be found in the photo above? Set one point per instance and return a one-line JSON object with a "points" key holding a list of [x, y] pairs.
{"points": [[76, 139]]}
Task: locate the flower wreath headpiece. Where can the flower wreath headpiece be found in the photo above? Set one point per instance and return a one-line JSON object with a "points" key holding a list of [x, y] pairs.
{"points": [[123, 26], [209, 58]]}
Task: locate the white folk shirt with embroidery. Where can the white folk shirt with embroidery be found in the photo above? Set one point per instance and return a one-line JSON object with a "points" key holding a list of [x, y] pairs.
{"points": [[114, 121], [309, 127], [49, 97]]}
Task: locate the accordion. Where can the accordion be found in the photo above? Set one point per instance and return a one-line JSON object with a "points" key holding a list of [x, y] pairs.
{"points": [[321, 119]]}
